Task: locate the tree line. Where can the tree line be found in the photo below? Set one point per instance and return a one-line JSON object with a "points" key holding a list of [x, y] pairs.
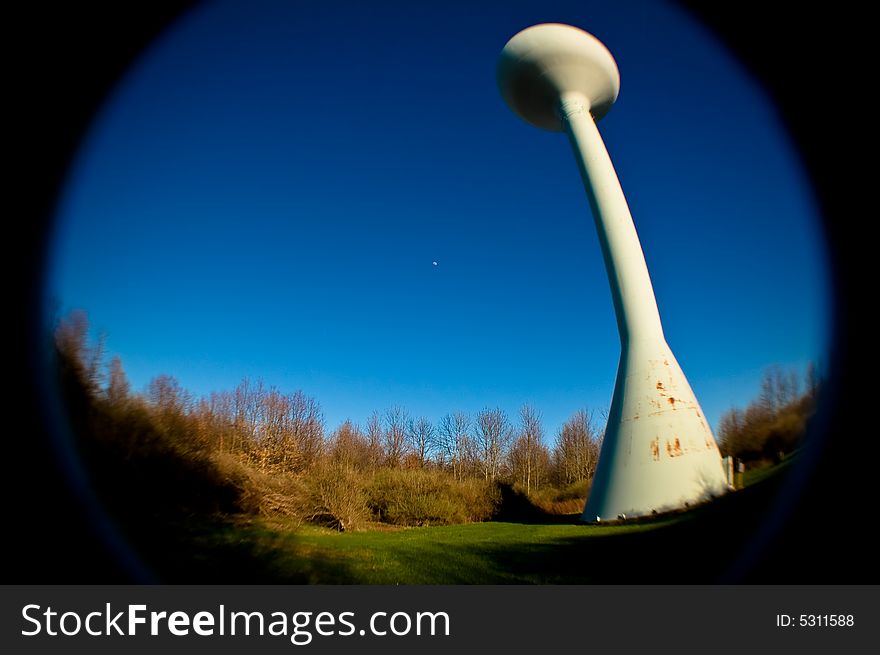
{"points": [[280, 433], [275, 450], [772, 425], [257, 449]]}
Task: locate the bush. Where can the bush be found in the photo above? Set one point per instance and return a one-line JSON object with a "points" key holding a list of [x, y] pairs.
{"points": [[279, 495], [568, 499], [771, 426], [139, 466], [422, 497], [336, 497]]}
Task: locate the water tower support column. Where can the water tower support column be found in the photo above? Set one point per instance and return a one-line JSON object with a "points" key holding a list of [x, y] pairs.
{"points": [[658, 453]]}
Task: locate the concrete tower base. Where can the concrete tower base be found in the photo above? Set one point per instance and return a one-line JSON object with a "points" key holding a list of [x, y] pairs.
{"points": [[658, 453]]}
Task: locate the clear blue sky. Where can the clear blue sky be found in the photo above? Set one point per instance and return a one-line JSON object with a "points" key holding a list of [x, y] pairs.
{"points": [[265, 192]]}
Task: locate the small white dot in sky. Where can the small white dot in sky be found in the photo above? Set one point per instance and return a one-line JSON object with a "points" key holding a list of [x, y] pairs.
{"points": [[434, 263]]}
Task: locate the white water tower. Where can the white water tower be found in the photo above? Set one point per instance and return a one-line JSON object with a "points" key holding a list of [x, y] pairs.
{"points": [[659, 453]]}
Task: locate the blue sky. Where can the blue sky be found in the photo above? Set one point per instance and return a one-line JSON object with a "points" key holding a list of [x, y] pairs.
{"points": [[266, 190]]}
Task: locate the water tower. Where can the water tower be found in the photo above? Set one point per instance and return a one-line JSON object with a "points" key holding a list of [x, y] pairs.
{"points": [[659, 453]]}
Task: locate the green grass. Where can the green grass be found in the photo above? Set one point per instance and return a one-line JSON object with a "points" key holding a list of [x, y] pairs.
{"points": [[697, 546], [257, 550], [460, 554]]}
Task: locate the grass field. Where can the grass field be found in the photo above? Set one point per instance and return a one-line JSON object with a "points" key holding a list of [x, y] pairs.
{"points": [[477, 553], [692, 547]]}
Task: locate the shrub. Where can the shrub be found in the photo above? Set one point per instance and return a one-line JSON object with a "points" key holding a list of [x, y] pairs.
{"points": [[278, 495], [770, 426], [568, 499], [139, 466], [429, 497], [336, 496]]}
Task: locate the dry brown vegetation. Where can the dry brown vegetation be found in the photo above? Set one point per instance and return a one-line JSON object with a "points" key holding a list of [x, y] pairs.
{"points": [[255, 450], [771, 426]]}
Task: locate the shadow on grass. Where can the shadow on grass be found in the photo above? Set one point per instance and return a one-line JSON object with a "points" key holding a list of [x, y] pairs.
{"points": [[520, 546], [699, 546], [517, 507], [230, 550], [174, 503]]}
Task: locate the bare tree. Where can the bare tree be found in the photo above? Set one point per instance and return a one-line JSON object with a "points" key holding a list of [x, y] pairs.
{"points": [[454, 441], [72, 341], [577, 447], [778, 388], [349, 447], [171, 408], [492, 434], [166, 395], [394, 437], [421, 436], [215, 420], [772, 424], [375, 437], [524, 454], [730, 429], [273, 432], [246, 414], [278, 432], [306, 428], [117, 383]]}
